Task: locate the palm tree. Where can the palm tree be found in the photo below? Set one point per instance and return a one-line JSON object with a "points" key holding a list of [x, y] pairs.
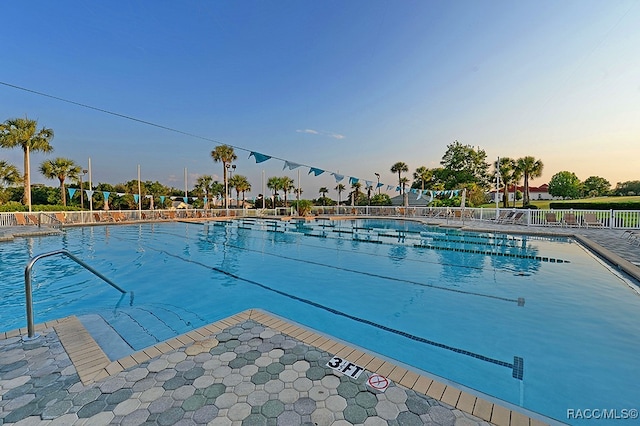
{"points": [[273, 183], [9, 174], [60, 168], [243, 186], [339, 187], [423, 174], [286, 184], [203, 186], [510, 175], [23, 132], [323, 191], [224, 154], [530, 169], [355, 193], [240, 184], [399, 167]]}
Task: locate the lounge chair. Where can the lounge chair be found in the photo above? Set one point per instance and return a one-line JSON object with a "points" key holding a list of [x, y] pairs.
{"points": [[505, 216], [60, 217], [33, 219], [516, 218], [551, 219], [20, 219], [569, 219], [590, 219]]}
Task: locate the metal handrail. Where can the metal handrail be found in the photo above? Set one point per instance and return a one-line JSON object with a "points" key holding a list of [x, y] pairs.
{"points": [[27, 284]]}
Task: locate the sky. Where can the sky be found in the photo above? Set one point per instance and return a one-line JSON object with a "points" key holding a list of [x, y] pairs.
{"points": [[349, 87]]}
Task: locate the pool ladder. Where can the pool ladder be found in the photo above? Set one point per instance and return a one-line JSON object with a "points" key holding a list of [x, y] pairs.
{"points": [[31, 334]]}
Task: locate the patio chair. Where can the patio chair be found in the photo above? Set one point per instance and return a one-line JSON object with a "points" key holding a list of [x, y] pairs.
{"points": [[569, 219], [551, 219], [20, 219], [590, 219]]}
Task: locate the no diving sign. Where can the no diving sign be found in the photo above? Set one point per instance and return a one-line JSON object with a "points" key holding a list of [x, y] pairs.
{"points": [[378, 382]]}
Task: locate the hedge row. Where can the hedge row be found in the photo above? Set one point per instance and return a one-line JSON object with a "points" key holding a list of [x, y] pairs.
{"points": [[595, 206]]}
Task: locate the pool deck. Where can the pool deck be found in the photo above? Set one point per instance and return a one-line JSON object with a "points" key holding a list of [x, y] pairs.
{"points": [[249, 369]]}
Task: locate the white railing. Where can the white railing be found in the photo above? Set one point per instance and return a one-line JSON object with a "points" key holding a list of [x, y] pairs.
{"points": [[613, 219]]}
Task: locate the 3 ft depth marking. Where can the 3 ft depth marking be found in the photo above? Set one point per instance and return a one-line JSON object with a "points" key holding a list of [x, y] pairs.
{"points": [[342, 365]]}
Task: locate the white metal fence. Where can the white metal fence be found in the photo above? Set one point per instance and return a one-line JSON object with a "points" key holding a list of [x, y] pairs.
{"points": [[614, 219]]}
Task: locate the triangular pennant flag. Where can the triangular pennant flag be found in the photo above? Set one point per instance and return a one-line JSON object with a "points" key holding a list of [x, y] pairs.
{"points": [[419, 195], [338, 177], [148, 196], [71, 192], [186, 200], [290, 165], [413, 190], [450, 194], [162, 199], [194, 198], [106, 195], [206, 199], [397, 189], [315, 171], [120, 194], [430, 196], [353, 180], [389, 187], [379, 185], [259, 157], [89, 192], [173, 198], [136, 197], [368, 183]]}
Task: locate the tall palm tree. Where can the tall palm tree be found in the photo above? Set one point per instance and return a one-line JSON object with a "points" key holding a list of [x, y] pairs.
{"points": [[530, 169], [224, 154], [340, 188], [9, 174], [60, 168], [24, 133], [398, 168], [323, 191]]}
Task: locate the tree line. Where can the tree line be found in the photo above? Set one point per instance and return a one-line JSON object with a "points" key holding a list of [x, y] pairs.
{"points": [[462, 167]]}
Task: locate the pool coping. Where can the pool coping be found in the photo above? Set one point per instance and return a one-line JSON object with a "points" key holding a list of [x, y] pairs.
{"points": [[93, 365]]}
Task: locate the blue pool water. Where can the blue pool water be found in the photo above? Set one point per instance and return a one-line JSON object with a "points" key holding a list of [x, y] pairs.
{"points": [[537, 322]]}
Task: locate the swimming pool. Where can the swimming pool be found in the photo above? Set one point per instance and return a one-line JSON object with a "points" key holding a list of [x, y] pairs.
{"points": [[537, 322]]}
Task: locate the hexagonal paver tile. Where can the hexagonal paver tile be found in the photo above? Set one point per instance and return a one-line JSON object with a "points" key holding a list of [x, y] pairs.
{"points": [[366, 400], [288, 376], [330, 381], [288, 396], [239, 411], [301, 366], [418, 405], [319, 393], [194, 402], [171, 416], [205, 414], [226, 400], [396, 395], [302, 384], [323, 417], [407, 418], [215, 390], [257, 398], [255, 420]]}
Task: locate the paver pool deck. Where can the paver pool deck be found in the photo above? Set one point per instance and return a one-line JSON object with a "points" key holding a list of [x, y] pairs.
{"points": [[249, 369]]}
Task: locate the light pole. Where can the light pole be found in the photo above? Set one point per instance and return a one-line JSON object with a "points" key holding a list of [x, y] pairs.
{"points": [[84, 172], [378, 176]]}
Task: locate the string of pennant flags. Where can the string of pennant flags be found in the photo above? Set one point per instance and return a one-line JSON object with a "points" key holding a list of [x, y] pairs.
{"points": [[259, 158]]}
